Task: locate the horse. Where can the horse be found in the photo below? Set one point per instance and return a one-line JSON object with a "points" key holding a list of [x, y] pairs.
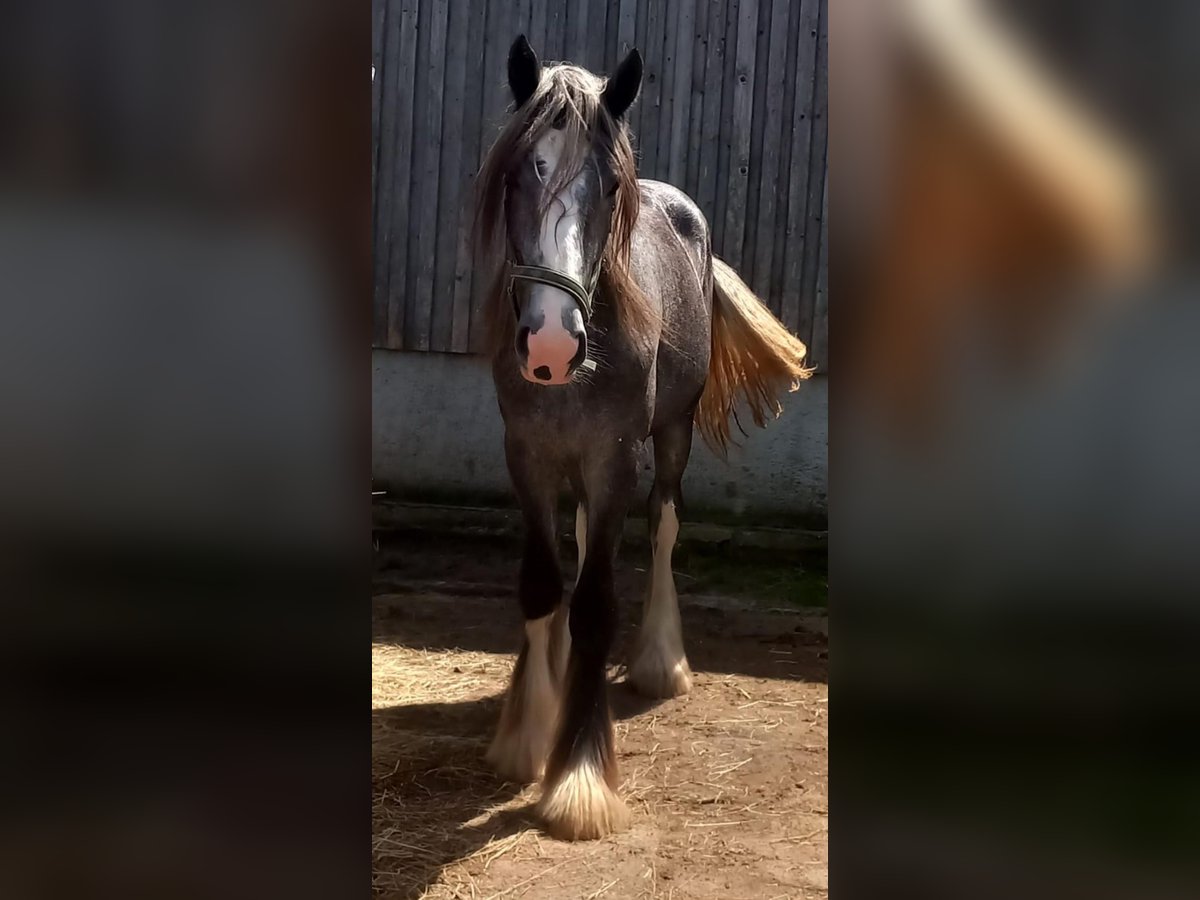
{"points": [[611, 322]]}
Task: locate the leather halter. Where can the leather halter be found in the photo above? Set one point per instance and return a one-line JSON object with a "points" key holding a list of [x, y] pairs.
{"points": [[581, 293]]}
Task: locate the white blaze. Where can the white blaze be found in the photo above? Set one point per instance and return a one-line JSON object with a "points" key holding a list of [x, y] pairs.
{"points": [[554, 343], [560, 238]]}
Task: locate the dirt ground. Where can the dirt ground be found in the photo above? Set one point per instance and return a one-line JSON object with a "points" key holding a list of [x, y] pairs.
{"points": [[726, 786]]}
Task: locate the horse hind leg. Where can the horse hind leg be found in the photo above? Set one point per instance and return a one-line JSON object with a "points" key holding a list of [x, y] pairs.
{"points": [[529, 716], [659, 666]]}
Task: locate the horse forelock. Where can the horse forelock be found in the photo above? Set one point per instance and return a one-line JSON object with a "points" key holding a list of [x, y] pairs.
{"points": [[568, 98]]}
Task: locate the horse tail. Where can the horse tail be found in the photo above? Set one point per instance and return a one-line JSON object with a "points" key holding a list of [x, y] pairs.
{"points": [[753, 357]]}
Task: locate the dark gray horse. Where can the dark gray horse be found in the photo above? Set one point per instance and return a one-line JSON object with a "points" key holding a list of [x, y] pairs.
{"points": [[612, 322]]}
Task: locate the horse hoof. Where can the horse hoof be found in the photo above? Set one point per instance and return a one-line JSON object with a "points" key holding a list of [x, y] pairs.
{"points": [[581, 806], [658, 675]]}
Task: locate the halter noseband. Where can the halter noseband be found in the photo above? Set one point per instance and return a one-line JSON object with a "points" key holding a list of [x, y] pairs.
{"points": [[541, 275]]}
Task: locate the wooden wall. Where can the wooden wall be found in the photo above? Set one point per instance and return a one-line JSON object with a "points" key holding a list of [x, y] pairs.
{"points": [[732, 110]]}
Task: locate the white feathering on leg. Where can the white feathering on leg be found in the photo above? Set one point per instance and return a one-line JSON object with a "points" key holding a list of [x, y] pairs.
{"points": [[562, 617], [530, 714], [580, 539], [660, 667], [580, 805]]}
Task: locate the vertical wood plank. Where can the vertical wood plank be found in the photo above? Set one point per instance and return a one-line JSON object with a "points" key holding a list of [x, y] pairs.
{"points": [[593, 58], [816, 172], [556, 29], [612, 24], [710, 144], [757, 124], [627, 20], [472, 118], [725, 143], [638, 115], [696, 118], [739, 154], [772, 136], [502, 27], [403, 92], [666, 108], [537, 28], [797, 211], [790, 119], [378, 31], [569, 13], [685, 43], [652, 88], [818, 346], [521, 12], [380, 199], [431, 64], [581, 13], [525, 18], [626, 28], [450, 180]]}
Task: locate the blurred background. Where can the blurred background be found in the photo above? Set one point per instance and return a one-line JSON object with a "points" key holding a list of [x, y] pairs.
{"points": [[184, 261], [1015, 584]]}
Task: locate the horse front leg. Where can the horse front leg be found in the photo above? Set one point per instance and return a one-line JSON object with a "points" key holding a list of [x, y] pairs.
{"points": [[530, 713], [579, 796], [560, 625]]}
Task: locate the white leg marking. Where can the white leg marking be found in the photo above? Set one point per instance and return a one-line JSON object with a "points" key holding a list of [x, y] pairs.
{"points": [[530, 714], [660, 667], [561, 642], [580, 539]]}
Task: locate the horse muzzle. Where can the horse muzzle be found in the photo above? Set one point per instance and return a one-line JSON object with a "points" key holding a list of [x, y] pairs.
{"points": [[551, 338]]}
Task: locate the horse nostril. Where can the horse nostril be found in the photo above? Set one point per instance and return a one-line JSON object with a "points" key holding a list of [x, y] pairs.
{"points": [[523, 342]]}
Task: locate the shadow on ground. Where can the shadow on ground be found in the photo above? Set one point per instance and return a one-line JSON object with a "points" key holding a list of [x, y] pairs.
{"points": [[733, 641], [436, 597], [433, 792]]}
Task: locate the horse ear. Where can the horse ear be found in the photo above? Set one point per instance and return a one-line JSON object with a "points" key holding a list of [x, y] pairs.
{"points": [[524, 70], [622, 88]]}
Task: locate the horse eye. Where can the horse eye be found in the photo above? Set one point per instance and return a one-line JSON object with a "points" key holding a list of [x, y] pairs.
{"points": [[542, 168], [612, 191]]}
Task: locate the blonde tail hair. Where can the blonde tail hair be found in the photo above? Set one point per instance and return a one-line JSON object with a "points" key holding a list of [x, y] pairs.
{"points": [[753, 357]]}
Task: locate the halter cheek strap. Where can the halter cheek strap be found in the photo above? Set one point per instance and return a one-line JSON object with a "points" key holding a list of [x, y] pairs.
{"points": [[581, 293]]}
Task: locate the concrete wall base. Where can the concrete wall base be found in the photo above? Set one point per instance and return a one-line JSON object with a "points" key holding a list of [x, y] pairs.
{"points": [[437, 436]]}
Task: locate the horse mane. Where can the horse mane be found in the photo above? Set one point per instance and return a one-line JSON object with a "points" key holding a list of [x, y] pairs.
{"points": [[570, 98]]}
